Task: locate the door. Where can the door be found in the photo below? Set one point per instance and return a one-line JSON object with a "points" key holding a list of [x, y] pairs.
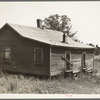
{"points": [[67, 56], [83, 59]]}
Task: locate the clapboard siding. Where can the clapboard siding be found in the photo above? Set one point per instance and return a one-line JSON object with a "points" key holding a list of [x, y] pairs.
{"points": [[76, 60], [22, 53], [88, 56], [58, 65], [76, 56], [89, 60]]}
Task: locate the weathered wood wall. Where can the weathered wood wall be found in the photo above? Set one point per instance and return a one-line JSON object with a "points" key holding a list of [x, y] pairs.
{"points": [[58, 65], [89, 60], [76, 60], [22, 53]]}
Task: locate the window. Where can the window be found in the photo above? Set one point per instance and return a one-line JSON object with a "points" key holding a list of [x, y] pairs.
{"points": [[38, 56], [7, 55]]}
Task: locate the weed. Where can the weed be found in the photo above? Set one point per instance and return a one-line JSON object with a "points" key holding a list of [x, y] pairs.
{"points": [[86, 84]]}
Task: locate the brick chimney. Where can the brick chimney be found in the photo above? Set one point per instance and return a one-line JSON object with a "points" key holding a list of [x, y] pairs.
{"points": [[39, 23], [65, 38]]}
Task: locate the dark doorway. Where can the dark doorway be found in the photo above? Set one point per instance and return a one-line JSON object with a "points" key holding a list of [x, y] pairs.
{"points": [[83, 59], [67, 56]]}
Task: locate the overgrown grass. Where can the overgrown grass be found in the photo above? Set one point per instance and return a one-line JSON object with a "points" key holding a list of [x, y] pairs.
{"points": [[87, 84]]}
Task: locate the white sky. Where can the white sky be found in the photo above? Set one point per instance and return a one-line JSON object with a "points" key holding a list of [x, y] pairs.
{"points": [[84, 15]]}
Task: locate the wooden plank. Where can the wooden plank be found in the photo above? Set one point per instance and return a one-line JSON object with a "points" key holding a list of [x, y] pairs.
{"points": [[67, 60], [57, 55], [75, 56], [76, 60], [58, 72], [89, 56], [57, 58], [67, 71]]}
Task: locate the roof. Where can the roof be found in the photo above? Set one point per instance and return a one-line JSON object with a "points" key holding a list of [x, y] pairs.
{"points": [[47, 36]]}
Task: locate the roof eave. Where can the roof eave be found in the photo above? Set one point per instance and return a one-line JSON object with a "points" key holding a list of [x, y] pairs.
{"points": [[71, 47]]}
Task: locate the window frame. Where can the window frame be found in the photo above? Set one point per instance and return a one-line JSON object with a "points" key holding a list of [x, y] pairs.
{"points": [[83, 53], [5, 50], [35, 62]]}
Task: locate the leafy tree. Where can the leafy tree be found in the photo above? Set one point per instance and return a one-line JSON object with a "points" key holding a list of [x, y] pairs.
{"points": [[59, 23], [97, 46]]}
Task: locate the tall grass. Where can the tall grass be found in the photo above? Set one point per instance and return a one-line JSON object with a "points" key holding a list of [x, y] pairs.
{"points": [[21, 84], [86, 84]]}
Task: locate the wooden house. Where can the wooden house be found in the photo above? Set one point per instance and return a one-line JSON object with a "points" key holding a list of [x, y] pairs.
{"points": [[38, 51]]}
